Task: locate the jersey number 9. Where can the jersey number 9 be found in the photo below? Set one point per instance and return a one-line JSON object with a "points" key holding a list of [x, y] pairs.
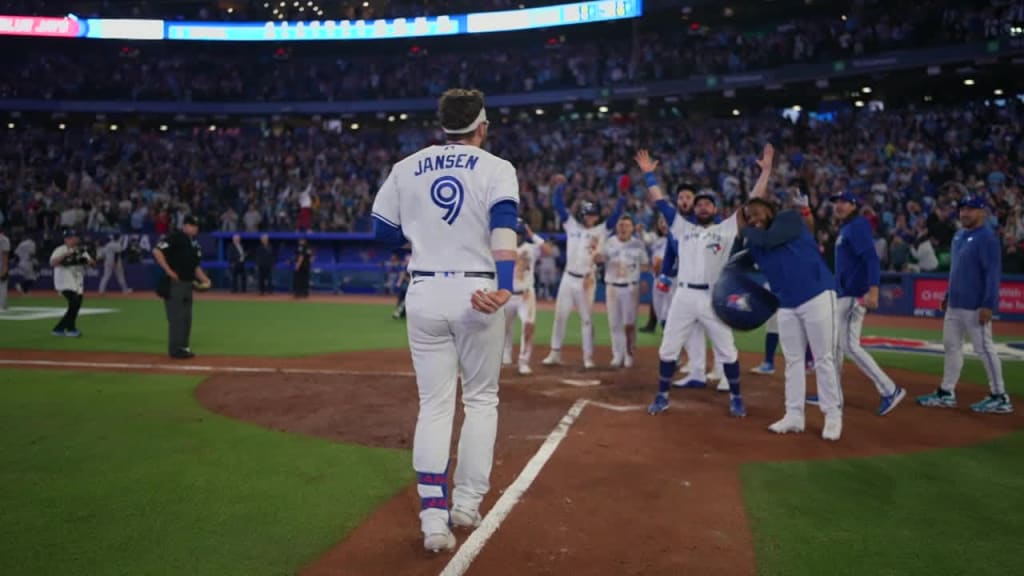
{"points": [[448, 193]]}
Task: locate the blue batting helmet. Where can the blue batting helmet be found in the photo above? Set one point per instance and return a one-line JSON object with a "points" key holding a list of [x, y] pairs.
{"points": [[740, 301], [589, 209]]}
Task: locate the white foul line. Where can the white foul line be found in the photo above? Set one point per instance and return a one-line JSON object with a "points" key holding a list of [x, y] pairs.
{"points": [[192, 368], [468, 552]]}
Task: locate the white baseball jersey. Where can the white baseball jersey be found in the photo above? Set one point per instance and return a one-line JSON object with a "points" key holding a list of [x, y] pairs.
{"points": [[67, 277], [580, 246], [623, 260], [703, 252], [658, 247], [526, 263], [441, 198]]}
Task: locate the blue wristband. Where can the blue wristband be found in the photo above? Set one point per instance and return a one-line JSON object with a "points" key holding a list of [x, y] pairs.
{"points": [[650, 179], [506, 274]]}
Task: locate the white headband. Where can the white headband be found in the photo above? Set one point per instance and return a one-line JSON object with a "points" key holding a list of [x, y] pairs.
{"points": [[480, 119]]}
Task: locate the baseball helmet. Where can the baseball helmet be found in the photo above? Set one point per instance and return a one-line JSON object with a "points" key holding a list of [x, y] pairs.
{"points": [[739, 300], [706, 195], [589, 209]]}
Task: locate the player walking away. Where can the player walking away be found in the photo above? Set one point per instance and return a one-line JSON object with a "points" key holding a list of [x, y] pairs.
{"points": [[265, 260], [784, 249], [69, 261], [28, 267], [179, 255], [705, 248], [113, 264], [457, 205], [659, 300], [303, 255], [524, 301], [576, 291], [973, 296], [5, 267], [236, 258], [624, 257], [858, 272]]}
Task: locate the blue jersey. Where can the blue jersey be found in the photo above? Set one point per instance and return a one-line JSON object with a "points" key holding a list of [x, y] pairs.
{"points": [[857, 265], [975, 269], [789, 258]]}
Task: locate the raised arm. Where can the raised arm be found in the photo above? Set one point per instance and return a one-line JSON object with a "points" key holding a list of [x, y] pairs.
{"points": [[558, 184], [613, 218], [787, 226], [654, 192]]}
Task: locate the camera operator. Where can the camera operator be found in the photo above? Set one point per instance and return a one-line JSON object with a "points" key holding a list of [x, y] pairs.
{"points": [[69, 261]]}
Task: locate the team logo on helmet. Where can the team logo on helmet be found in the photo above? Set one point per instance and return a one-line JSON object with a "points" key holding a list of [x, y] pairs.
{"points": [[739, 302]]}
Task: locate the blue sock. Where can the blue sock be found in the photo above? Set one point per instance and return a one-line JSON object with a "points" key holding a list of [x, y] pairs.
{"points": [[732, 374], [771, 344], [809, 356], [666, 370]]}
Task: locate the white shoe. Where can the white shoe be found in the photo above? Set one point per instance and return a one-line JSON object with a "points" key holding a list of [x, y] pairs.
{"points": [[465, 519], [616, 363], [723, 385], [506, 360], [714, 376], [525, 370], [833, 427], [128, 290], [787, 425], [685, 369], [552, 359], [588, 364], [628, 362], [439, 542]]}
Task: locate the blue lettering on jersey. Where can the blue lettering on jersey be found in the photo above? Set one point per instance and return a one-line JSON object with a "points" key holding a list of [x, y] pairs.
{"points": [[446, 162], [448, 193]]}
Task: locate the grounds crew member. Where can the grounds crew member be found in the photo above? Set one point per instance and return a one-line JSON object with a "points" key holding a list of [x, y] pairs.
{"points": [[179, 256]]}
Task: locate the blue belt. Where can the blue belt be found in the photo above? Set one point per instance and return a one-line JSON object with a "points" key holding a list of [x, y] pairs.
{"points": [[488, 275], [575, 275], [695, 286], [623, 285]]}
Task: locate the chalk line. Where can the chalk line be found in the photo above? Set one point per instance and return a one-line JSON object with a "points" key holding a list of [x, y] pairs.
{"points": [[183, 367]]}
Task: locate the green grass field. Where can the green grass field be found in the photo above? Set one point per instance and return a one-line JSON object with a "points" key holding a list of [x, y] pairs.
{"points": [[127, 474]]}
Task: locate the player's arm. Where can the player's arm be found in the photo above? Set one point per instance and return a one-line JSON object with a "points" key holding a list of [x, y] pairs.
{"points": [[991, 270], [654, 192], [613, 218], [387, 220], [864, 246], [503, 196], [766, 162], [202, 277], [558, 183], [786, 227]]}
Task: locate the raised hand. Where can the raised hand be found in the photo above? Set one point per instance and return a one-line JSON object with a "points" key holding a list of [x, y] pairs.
{"points": [[643, 160], [558, 180], [767, 157]]}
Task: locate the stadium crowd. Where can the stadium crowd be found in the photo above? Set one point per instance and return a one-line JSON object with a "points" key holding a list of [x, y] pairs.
{"points": [[180, 72], [908, 167]]}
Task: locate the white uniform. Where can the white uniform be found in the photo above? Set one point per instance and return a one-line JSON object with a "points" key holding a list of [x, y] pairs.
{"points": [[622, 264], [576, 290], [659, 300], [5, 269], [26, 254], [110, 253], [523, 302], [703, 252], [67, 278], [441, 198]]}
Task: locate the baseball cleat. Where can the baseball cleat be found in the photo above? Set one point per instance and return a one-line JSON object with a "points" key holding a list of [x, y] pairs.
{"points": [[689, 383], [833, 427], [659, 405], [812, 400], [994, 404], [685, 369], [59, 333], [713, 376], [723, 385], [506, 360], [465, 519], [736, 407], [616, 363], [628, 362], [788, 424], [553, 359], [439, 542], [72, 333], [525, 370], [938, 399], [889, 403], [765, 368], [588, 364]]}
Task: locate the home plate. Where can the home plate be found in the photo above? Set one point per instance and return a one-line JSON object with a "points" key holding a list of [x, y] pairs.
{"points": [[581, 383]]}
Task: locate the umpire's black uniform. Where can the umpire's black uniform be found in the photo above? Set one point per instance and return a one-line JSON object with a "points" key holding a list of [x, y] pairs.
{"points": [[303, 254], [181, 254]]}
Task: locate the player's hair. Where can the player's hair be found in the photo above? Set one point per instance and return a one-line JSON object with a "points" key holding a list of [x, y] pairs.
{"points": [[458, 108], [762, 202], [686, 186], [627, 216]]}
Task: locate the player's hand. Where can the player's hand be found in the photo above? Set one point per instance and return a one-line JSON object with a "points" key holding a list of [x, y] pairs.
{"points": [[201, 286], [871, 301], [663, 284], [599, 258], [767, 157], [173, 275], [984, 316], [800, 199], [558, 180], [489, 302], [643, 160]]}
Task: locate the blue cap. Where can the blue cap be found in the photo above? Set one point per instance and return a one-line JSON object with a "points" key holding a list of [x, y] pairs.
{"points": [[70, 232], [846, 196], [520, 226], [590, 209], [972, 201]]}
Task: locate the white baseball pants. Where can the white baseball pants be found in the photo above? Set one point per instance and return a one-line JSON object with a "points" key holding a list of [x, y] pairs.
{"points": [[574, 293], [622, 305], [690, 310], [958, 322], [812, 322], [523, 306], [849, 323]]}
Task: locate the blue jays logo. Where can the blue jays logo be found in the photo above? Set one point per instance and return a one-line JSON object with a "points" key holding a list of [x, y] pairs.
{"points": [[739, 301], [715, 248]]}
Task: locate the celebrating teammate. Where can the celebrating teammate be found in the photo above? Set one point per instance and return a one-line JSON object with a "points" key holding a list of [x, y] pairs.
{"points": [[704, 249], [787, 254], [457, 205], [659, 300], [576, 290], [524, 300], [972, 297], [857, 277], [624, 257]]}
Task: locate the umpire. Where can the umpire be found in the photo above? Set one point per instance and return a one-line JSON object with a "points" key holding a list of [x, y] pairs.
{"points": [[179, 256]]}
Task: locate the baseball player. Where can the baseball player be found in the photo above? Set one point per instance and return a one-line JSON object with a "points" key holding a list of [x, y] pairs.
{"points": [[112, 264], [624, 257], [970, 301], [576, 290], [28, 266], [705, 248], [457, 205], [858, 272], [5, 266], [787, 254], [524, 299], [659, 300], [69, 261]]}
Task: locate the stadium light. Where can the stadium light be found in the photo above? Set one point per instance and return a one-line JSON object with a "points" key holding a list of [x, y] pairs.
{"points": [[366, 4], [403, 116], [61, 126], [10, 125], [212, 128], [603, 109], [797, 108], [231, 10], [735, 112], [997, 92], [969, 82], [391, 118], [866, 89], [859, 103], [354, 126], [163, 127], [113, 127], [539, 111]]}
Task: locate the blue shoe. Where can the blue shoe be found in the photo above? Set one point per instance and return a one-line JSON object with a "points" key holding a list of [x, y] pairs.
{"points": [[736, 407], [994, 404], [938, 399], [812, 399], [765, 368], [659, 405], [890, 402], [691, 383]]}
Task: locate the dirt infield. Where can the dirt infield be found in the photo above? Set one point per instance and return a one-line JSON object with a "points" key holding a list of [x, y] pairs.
{"points": [[619, 477]]}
